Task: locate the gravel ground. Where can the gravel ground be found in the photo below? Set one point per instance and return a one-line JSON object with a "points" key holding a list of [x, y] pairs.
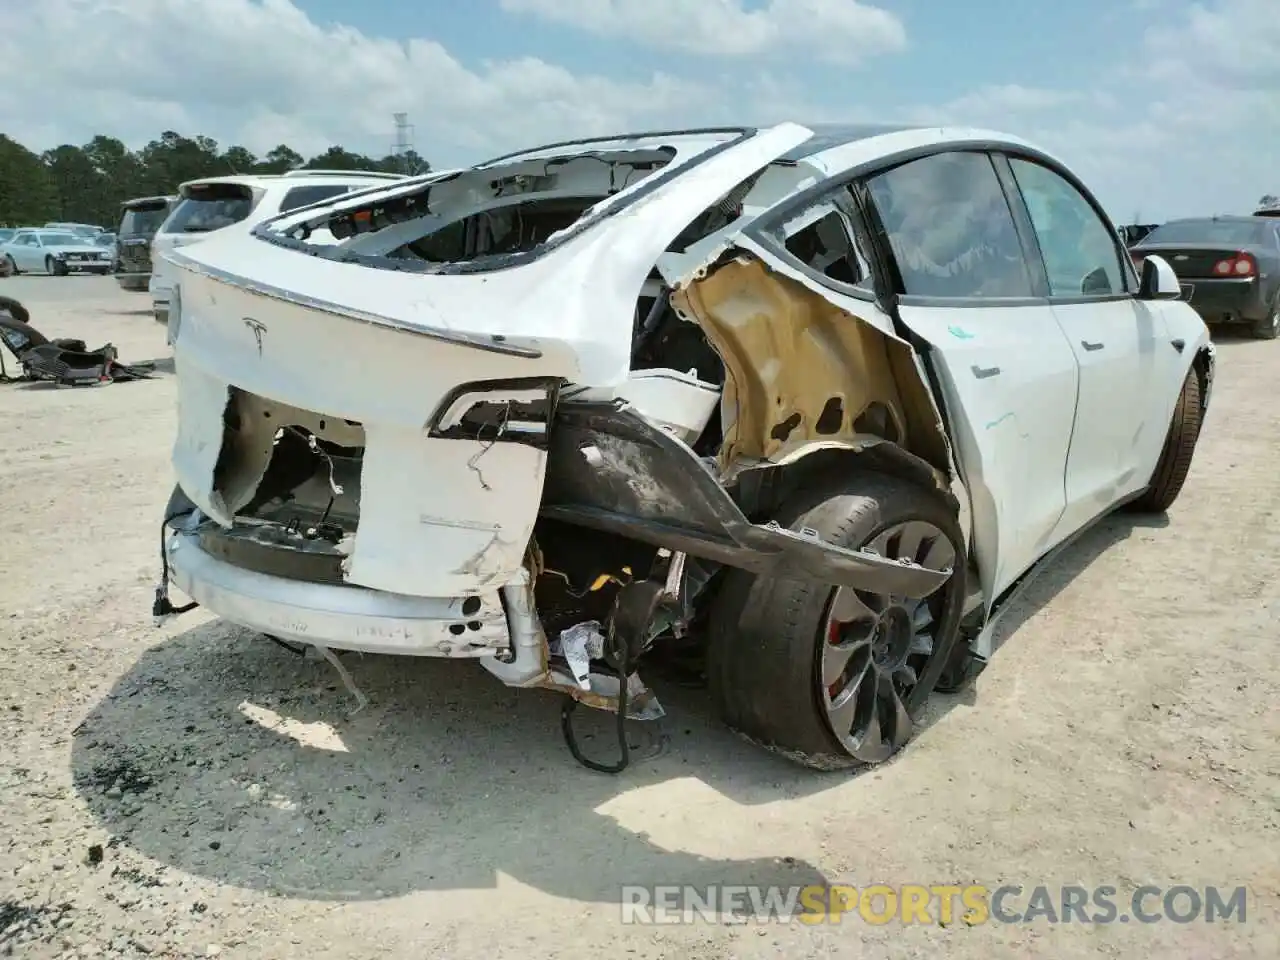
{"points": [[1125, 734]]}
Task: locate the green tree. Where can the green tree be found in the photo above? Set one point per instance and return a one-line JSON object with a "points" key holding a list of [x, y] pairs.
{"points": [[336, 158], [237, 159], [408, 162], [88, 183], [27, 193], [81, 188], [281, 159]]}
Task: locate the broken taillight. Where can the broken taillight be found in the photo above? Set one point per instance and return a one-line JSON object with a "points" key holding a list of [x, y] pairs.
{"points": [[516, 411]]}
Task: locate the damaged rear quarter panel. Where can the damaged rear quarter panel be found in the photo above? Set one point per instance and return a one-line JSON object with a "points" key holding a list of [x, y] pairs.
{"points": [[803, 371], [414, 491]]}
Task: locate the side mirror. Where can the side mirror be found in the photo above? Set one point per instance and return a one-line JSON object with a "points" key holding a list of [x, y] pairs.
{"points": [[1158, 281]]}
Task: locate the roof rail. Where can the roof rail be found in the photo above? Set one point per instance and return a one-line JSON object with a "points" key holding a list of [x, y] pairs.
{"points": [[372, 174]]}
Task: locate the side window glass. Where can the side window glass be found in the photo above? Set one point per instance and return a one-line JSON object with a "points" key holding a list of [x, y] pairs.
{"points": [[822, 238], [302, 196], [950, 228], [1080, 253]]}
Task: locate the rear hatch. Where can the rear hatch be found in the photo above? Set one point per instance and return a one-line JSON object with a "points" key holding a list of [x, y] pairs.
{"points": [[137, 228], [203, 208]]}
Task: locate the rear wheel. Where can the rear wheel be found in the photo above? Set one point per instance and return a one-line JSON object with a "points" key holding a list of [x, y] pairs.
{"points": [[1269, 328], [1179, 446], [13, 266], [835, 677]]}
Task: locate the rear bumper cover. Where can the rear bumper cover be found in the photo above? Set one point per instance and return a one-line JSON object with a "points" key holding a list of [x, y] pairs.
{"points": [[341, 616], [1228, 300]]}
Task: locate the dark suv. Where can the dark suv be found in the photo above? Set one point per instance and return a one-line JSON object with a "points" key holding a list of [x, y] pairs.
{"points": [[142, 218]]}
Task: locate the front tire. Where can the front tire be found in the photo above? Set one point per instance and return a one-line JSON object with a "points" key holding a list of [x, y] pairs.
{"points": [[1179, 446], [54, 268], [832, 677], [1268, 328]]}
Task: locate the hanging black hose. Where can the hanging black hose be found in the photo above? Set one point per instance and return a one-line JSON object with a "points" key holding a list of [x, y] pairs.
{"points": [[163, 606], [622, 656], [633, 614]]}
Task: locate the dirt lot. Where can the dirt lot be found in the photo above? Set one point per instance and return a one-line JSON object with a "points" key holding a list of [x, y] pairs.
{"points": [[1126, 733]]}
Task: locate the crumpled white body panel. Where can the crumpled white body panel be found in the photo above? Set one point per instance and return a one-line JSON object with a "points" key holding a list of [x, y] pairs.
{"points": [[438, 517]]}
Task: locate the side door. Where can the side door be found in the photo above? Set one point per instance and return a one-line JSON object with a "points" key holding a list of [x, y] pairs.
{"points": [[1008, 377], [27, 252], [1122, 345]]}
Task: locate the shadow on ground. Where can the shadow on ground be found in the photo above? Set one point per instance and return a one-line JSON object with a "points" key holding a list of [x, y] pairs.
{"points": [[230, 758]]}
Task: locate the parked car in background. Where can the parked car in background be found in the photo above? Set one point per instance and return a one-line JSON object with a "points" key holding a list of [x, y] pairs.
{"points": [[238, 202], [6, 234], [831, 393], [1270, 209], [56, 252], [88, 230], [139, 220], [1229, 268], [107, 241]]}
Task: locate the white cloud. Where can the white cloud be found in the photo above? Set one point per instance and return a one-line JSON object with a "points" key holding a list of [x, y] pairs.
{"points": [[260, 73], [840, 31], [1189, 123]]}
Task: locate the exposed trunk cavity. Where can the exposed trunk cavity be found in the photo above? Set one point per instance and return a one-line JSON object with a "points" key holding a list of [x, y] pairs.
{"points": [[291, 478]]}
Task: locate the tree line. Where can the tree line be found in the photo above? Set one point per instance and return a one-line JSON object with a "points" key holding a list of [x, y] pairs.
{"points": [[87, 184]]}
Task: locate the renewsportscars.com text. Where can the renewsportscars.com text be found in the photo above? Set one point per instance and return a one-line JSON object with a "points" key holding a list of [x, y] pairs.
{"points": [[936, 904]]}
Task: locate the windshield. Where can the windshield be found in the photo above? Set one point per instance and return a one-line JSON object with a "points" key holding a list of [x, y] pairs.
{"points": [[1231, 233], [143, 220], [63, 240], [210, 206]]}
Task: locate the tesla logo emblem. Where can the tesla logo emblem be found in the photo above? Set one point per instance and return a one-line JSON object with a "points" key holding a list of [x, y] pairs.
{"points": [[258, 329]]}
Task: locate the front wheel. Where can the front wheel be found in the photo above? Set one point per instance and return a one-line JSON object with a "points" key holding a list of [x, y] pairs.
{"points": [[1269, 328], [1179, 446], [54, 268], [836, 677]]}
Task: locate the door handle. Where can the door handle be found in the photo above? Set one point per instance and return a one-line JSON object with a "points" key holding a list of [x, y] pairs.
{"points": [[982, 373], [1091, 346]]}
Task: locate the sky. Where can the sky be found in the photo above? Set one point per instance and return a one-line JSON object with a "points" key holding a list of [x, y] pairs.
{"points": [[1166, 108]]}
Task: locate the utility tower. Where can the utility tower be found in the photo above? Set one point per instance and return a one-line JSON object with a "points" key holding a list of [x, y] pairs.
{"points": [[404, 141]]}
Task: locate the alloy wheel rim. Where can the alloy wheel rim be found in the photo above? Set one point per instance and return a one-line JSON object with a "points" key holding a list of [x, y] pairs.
{"points": [[876, 647]]}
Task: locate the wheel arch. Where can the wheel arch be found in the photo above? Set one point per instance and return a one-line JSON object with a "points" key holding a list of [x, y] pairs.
{"points": [[1204, 363], [761, 488]]}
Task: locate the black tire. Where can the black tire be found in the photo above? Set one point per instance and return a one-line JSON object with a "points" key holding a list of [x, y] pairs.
{"points": [[55, 268], [769, 636], [13, 266], [1179, 446], [15, 309], [1268, 328]]}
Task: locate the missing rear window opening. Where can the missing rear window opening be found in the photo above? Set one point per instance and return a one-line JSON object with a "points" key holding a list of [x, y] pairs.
{"points": [[503, 211]]}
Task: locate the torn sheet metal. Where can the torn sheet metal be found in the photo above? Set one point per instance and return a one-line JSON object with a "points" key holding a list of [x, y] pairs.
{"points": [[802, 368], [437, 517], [610, 469]]}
